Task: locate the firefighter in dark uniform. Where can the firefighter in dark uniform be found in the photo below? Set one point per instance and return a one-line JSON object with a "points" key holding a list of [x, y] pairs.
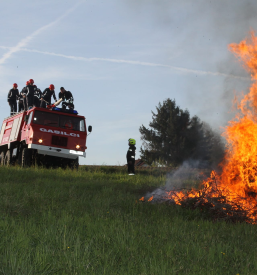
{"points": [[30, 94], [12, 98], [23, 99], [37, 96], [131, 156], [46, 96], [67, 98], [20, 103]]}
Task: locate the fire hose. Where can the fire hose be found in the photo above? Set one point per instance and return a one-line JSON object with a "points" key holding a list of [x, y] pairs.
{"points": [[57, 102], [49, 106]]}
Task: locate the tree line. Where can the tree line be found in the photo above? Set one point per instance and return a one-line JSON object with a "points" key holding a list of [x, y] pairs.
{"points": [[173, 137]]}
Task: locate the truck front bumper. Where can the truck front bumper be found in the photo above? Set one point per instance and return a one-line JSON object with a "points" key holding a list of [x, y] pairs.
{"points": [[57, 152]]}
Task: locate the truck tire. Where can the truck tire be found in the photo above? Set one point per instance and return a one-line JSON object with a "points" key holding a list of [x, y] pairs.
{"points": [[2, 155], [19, 159], [8, 158], [26, 157]]}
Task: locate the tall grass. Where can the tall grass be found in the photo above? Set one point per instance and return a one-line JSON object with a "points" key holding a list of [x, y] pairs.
{"points": [[91, 222]]}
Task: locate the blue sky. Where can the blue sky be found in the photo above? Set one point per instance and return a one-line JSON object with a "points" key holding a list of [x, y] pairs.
{"points": [[121, 58]]}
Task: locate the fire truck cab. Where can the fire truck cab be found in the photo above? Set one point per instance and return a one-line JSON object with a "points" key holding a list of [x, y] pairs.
{"points": [[49, 137]]}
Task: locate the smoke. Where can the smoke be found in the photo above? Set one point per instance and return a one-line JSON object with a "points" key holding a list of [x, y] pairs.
{"points": [[201, 32], [226, 19], [186, 176], [186, 173]]}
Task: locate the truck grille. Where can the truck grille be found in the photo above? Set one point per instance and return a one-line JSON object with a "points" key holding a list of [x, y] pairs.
{"points": [[60, 141]]}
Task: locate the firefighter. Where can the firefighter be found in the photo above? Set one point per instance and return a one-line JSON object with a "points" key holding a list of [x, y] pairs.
{"points": [[46, 96], [37, 96], [30, 94], [22, 98], [131, 156], [12, 98], [20, 102], [67, 98]]}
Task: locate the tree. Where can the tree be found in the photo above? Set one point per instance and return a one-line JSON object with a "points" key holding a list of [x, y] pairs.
{"points": [[174, 137], [166, 140]]}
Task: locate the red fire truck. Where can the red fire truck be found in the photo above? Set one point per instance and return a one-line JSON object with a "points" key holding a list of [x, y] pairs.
{"points": [[50, 137]]}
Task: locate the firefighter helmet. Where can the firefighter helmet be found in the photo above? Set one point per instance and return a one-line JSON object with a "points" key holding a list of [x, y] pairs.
{"points": [[132, 141], [15, 85], [31, 81], [51, 87], [27, 83]]}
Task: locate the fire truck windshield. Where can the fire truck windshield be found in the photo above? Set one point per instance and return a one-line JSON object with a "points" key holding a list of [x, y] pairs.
{"points": [[60, 121]]}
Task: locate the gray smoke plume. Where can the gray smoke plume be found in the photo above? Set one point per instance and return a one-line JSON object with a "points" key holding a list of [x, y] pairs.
{"points": [[227, 20], [188, 175], [201, 32]]}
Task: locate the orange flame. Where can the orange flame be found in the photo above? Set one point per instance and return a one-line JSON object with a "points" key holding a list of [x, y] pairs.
{"points": [[237, 183], [150, 199]]}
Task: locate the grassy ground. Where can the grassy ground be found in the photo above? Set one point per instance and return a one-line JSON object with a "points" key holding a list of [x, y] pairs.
{"points": [[91, 222]]}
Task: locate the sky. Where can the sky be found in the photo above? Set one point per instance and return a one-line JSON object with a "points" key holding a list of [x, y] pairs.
{"points": [[120, 58]]}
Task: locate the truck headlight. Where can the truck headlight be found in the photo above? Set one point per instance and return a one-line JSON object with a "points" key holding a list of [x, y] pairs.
{"points": [[40, 140], [77, 146]]}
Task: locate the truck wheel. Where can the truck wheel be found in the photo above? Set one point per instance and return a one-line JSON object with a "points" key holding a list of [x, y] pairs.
{"points": [[19, 160], [2, 155], [38, 162], [8, 158], [65, 163], [26, 156]]}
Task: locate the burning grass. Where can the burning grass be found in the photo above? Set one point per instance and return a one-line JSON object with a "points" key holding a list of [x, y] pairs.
{"points": [[212, 198]]}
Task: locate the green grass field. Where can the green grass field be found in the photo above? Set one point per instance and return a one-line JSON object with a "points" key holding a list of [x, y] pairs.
{"points": [[91, 222]]}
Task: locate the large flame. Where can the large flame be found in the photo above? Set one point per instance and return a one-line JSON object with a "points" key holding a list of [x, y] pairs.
{"points": [[237, 183]]}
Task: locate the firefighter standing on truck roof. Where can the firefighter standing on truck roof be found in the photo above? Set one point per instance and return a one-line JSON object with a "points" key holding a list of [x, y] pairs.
{"points": [[131, 156], [12, 98], [20, 102], [23, 99], [30, 94], [46, 96], [37, 96], [67, 98]]}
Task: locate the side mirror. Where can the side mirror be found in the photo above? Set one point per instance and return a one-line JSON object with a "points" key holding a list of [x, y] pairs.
{"points": [[89, 128]]}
